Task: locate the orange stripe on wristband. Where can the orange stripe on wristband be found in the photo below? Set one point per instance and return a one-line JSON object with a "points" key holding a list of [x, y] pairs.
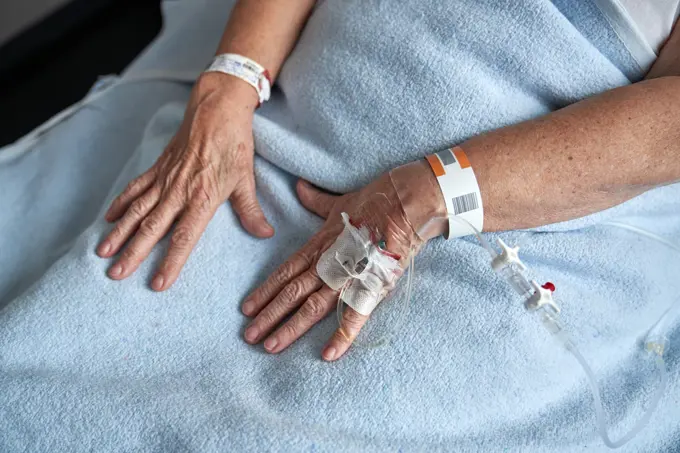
{"points": [[436, 165], [461, 157]]}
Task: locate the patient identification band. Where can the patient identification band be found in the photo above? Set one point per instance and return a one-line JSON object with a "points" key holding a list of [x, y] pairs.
{"points": [[460, 189], [246, 70]]}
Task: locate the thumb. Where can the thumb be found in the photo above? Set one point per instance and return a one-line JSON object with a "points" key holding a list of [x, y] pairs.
{"points": [[244, 201], [315, 200]]}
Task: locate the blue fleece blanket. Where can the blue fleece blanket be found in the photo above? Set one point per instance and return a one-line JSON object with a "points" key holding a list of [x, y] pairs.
{"points": [[89, 364]]}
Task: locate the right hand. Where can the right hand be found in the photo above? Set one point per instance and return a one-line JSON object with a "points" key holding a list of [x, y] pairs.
{"points": [[396, 206], [208, 161]]}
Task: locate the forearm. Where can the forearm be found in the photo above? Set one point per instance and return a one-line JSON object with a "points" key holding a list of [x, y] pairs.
{"points": [[265, 30], [584, 158]]}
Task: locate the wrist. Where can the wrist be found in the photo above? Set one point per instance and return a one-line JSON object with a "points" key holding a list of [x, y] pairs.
{"points": [[421, 198], [232, 91]]}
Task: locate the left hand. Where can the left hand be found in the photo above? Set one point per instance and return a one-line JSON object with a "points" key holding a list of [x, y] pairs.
{"points": [[295, 285]]}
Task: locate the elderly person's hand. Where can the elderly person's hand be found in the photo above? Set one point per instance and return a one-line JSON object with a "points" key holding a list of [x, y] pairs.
{"points": [[296, 287], [209, 161]]}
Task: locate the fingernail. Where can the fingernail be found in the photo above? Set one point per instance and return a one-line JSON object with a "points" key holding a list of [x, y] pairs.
{"points": [[248, 307], [105, 248], [271, 343], [116, 270], [157, 282], [329, 353], [251, 333]]}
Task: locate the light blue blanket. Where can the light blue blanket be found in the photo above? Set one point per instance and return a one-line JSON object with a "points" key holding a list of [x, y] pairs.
{"points": [[89, 364]]}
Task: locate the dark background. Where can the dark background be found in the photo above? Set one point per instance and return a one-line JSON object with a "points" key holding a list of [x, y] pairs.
{"points": [[54, 63]]}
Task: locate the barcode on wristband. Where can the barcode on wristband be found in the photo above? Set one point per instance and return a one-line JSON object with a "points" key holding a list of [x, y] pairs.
{"points": [[465, 203]]}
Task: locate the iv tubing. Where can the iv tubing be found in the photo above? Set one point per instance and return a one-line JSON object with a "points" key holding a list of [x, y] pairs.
{"points": [[655, 344], [599, 409], [645, 233]]}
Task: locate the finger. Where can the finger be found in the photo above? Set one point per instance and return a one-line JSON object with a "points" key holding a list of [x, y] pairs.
{"points": [[151, 230], [317, 306], [299, 262], [315, 200], [290, 297], [342, 339], [125, 228], [132, 191], [186, 234], [244, 201]]}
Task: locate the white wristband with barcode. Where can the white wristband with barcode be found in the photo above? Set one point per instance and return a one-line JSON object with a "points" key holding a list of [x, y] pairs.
{"points": [[460, 189], [245, 69]]}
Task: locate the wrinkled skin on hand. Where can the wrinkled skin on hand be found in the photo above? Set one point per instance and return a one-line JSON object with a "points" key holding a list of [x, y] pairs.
{"points": [[411, 198], [208, 161]]}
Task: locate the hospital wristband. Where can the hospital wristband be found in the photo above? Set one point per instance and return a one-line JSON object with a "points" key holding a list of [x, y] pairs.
{"points": [[245, 69], [459, 187]]}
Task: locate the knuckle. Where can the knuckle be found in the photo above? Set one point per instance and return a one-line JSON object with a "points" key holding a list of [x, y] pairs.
{"points": [[174, 198], [248, 204], [314, 308], [265, 320], [172, 182], [182, 237], [117, 201], [341, 336], [132, 186], [171, 264], [292, 291], [353, 323], [301, 256], [151, 226], [202, 199], [129, 254], [118, 231], [250, 208], [138, 208], [289, 330], [351, 326], [284, 274]]}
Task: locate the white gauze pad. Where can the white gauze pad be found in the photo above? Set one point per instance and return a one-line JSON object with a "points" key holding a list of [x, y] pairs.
{"points": [[354, 257]]}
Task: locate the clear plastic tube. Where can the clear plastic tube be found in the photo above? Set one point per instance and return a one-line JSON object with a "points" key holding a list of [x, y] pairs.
{"points": [[599, 409], [645, 233], [655, 343]]}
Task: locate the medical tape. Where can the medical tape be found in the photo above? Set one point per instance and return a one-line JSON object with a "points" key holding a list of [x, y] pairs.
{"points": [[246, 70], [365, 271], [459, 186]]}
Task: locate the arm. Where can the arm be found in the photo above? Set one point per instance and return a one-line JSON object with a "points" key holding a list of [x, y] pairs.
{"points": [[210, 159], [579, 160], [265, 30], [584, 158]]}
